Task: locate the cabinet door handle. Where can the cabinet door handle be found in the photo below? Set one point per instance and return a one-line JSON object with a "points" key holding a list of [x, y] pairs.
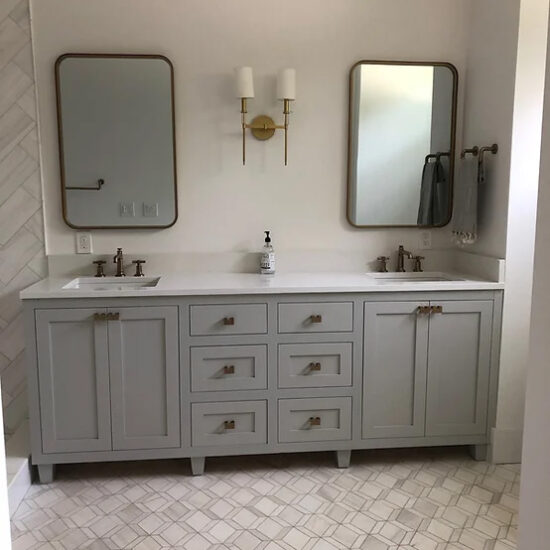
{"points": [[314, 366], [436, 309], [423, 310], [229, 369], [229, 321], [113, 316], [314, 421], [100, 316], [316, 318], [229, 424]]}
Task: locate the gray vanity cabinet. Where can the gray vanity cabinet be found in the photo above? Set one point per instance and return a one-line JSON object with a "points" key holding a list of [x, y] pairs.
{"points": [[395, 364], [144, 371], [73, 378], [459, 359]]}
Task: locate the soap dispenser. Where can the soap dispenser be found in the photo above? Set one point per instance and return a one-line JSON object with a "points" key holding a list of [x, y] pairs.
{"points": [[267, 260]]}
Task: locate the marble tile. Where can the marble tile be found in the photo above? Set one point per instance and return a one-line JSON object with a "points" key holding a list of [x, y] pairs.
{"points": [[27, 102], [12, 39], [13, 85], [16, 253], [15, 169], [14, 125], [14, 213], [20, 14]]}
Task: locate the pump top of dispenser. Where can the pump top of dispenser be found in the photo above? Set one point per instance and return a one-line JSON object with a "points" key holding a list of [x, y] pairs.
{"points": [[267, 237]]}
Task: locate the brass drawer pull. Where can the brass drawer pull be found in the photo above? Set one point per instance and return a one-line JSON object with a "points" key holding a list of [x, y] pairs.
{"points": [[314, 421], [229, 369], [314, 366], [229, 321], [229, 424], [113, 316], [316, 318], [437, 309], [423, 310], [100, 316]]}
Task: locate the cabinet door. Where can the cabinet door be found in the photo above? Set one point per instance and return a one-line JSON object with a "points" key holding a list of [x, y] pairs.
{"points": [[143, 351], [73, 372], [458, 368], [394, 375]]}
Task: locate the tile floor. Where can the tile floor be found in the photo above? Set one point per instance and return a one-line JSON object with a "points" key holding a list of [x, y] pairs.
{"points": [[435, 499]]}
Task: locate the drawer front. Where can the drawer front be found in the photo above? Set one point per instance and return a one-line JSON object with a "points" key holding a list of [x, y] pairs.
{"points": [[314, 365], [314, 419], [220, 320], [316, 317], [224, 368], [229, 423]]}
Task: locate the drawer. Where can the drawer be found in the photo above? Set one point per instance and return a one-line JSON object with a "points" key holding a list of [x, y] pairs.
{"points": [[229, 423], [314, 419], [314, 365], [225, 319], [224, 368], [316, 317]]}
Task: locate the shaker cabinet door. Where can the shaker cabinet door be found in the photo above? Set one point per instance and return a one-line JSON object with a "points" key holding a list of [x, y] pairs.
{"points": [[459, 358], [394, 375], [73, 369], [143, 352]]}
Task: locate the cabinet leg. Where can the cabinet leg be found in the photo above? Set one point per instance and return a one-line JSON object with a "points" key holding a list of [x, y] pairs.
{"points": [[46, 473], [478, 452], [197, 465], [343, 459]]}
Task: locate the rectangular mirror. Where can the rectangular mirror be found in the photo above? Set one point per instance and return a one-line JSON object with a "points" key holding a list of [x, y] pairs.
{"points": [[116, 140], [402, 121]]}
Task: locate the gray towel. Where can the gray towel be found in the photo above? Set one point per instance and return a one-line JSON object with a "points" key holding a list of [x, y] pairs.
{"points": [[434, 195], [465, 209]]}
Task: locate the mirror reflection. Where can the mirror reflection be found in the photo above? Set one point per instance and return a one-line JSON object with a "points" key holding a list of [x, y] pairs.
{"points": [[116, 140], [401, 143]]}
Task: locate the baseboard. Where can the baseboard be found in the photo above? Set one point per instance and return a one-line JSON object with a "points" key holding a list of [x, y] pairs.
{"points": [[18, 467], [505, 447]]}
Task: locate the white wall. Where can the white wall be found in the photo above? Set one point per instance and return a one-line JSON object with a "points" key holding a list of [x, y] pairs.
{"points": [[223, 205], [534, 528]]}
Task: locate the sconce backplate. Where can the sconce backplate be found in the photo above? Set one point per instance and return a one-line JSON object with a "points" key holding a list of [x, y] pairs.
{"points": [[263, 127]]}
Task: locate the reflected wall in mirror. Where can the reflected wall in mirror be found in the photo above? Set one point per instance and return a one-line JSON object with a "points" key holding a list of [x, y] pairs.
{"points": [[116, 140], [402, 122]]}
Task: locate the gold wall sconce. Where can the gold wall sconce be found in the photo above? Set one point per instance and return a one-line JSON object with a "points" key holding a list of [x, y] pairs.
{"points": [[263, 126]]}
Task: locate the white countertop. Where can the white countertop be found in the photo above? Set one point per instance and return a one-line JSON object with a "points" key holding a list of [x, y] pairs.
{"points": [[204, 284]]}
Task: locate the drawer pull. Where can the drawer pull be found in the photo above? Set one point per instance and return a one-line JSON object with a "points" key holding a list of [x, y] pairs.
{"points": [[314, 366], [436, 309], [100, 316], [229, 321], [316, 318], [229, 425], [314, 420], [229, 369], [113, 316], [423, 310]]}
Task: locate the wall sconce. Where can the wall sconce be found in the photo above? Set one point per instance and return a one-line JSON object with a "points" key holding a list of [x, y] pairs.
{"points": [[263, 127]]}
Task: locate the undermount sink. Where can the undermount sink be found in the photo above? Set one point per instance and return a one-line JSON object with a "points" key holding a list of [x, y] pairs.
{"points": [[413, 277], [102, 284]]}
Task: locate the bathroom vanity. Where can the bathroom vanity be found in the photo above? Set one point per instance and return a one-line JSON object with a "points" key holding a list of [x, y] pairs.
{"points": [[228, 364]]}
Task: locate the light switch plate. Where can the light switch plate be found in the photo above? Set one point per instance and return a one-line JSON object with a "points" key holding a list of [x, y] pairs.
{"points": [[127, 209], [150, 209], [83, 243], [425, 240]]}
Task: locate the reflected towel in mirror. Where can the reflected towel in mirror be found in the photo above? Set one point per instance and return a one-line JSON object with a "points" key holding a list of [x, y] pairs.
{"points": [[465, 208], [434, 194]]}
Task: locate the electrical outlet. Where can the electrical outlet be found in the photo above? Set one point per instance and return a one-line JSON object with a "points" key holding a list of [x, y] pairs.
{"points": [[150, 210], [127, 209], [425, 240], [83, 243]]}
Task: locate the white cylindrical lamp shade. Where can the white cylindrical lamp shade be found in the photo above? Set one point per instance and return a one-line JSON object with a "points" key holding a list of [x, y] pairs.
{"points": [[244, 82], [286, 84]]}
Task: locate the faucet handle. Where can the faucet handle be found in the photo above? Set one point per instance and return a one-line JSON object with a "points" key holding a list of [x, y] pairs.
{"points": [[99, 271], [418, 263], [383, 263], [139, 270]]}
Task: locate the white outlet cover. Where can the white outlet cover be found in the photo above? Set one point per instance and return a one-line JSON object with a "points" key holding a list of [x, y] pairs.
{"points": [[83, 243], [425, 240]]}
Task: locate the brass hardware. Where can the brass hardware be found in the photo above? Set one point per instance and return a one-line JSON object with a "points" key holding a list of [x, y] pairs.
{"points": [[436, 156], [481, 161], [314, 420], [472, 151], [316, 318], [229, 369], [423, 310], [139, 269], [118, 259], [113, 316], [262, 127], [229, 424], [401, 253], [383, 263], [99, 184], [100, 316], [314, 366], [99, 272], [229, 321], [436, 309], [418, 263]]}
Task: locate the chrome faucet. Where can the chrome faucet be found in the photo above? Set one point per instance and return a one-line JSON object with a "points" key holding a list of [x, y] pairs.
{"points": [[119, 261], [401, 253]]}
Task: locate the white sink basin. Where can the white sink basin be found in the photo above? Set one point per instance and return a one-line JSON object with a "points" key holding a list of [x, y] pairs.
{"points": [[102, 284], [413, 277]]}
